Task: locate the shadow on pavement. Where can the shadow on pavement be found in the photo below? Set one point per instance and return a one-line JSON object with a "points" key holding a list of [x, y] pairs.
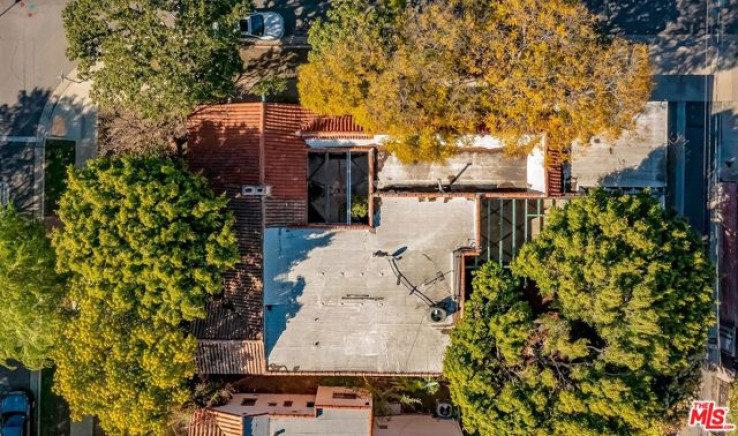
{"points": [[674, 29], [20, 178]]}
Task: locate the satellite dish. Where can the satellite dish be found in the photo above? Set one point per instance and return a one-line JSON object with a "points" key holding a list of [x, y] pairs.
{"points": [[399, 252], [444, 410], [436, 314]]}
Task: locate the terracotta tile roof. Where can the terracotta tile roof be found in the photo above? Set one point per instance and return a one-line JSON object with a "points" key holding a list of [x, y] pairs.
{"points": [[247, 144], [210, 423], [224, 144], [230, 357], [238, 313], [221, 322], [285, 157], [203, 424], [555, 174], [255, 144], [342, 127]]}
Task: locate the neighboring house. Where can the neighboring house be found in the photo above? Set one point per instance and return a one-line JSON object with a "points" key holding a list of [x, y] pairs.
{"points": [[332, 411], [320, 207], [636, 160]]}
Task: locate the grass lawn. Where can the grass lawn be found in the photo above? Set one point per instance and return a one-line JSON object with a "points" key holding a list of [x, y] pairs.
{"points": [[54, 410], [58, 155]]}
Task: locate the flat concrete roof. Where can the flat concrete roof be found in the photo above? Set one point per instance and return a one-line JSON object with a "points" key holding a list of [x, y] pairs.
{"points": [[278, 404], [331, 306], [487, 169], [415, 424], [331, 422], [635, 160]]}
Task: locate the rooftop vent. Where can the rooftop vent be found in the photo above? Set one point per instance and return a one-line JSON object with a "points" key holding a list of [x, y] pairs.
{"points": [[444, 410], [248, 402], [256, 191], [436, 314]]}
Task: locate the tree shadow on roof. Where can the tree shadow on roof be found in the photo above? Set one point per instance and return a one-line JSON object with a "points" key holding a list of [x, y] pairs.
{"points": [[649, 173], [282, 302]]}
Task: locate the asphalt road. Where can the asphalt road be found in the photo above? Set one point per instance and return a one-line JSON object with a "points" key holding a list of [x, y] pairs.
{"points": [[663, 17], [32, 58], [14, 379]]}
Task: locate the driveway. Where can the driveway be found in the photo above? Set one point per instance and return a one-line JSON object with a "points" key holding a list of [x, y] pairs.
{"points": [[281, 58], [298, 16]]}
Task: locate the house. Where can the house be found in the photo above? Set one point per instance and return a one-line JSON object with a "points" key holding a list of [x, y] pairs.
{"points": [[352, 263], [332, 411]]}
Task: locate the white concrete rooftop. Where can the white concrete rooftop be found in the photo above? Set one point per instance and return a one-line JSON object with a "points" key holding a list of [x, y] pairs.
{"points": [[331, 422], [331, 306], [635, 160], [475, 169]]}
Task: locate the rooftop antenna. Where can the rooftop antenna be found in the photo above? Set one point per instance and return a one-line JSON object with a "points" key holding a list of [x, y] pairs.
{"points": [[437, 311]]}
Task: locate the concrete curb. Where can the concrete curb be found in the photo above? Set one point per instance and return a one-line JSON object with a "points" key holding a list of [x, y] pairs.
{"points": [[42, 131], [35, 386]]}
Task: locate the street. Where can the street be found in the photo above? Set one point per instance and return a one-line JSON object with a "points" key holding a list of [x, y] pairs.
{"points": [[32, 46], [11, 379]]}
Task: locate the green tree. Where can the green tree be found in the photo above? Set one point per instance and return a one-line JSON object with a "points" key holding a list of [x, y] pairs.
{"points": [[33, 295], [146, 243], [610, 342], [157, 58], [130, 372], [430, 73]]}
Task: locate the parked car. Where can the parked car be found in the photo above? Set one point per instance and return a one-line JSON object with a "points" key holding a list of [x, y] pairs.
{"points": [[262, 25], [15, 414]]}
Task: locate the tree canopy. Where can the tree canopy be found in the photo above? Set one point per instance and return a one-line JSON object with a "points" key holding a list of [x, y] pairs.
{"points": [[33, 295], [146, 243], [157, 58], [430, 73], [600, 327]]}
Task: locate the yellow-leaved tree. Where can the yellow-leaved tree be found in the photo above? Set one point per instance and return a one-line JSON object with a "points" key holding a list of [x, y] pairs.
{"points": [[429, 73], [145, 243]]}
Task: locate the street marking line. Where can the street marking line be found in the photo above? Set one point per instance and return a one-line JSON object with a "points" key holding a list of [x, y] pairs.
{"points": [[19, 139]]}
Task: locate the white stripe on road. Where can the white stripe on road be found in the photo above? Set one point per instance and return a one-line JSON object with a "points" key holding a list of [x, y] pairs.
{"points": [[18, 139]]}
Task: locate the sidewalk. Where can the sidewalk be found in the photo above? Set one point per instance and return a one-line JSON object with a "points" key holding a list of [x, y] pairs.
{"points": [[69, 114]]}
